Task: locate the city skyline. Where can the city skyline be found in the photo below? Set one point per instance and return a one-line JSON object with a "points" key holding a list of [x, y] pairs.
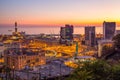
{"points": [[58, 13]]}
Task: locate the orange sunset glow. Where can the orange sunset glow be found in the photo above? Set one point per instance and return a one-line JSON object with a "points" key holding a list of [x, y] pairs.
{"points": [[78, 12]]}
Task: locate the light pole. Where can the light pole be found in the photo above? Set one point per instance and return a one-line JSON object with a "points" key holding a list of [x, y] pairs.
{"points": [[27, 70], [13, 72], [40, 73], [27, 74], [50, 68], [40, 65], [45, 78], [60, 72], [6, 73]]}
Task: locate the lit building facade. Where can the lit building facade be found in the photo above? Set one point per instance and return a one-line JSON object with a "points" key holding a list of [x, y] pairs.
{"points": [[20, 58], [108, 29], [2, 48], [66, 34], [90, 36], [117, 32], [101, 44], [62, 35]]}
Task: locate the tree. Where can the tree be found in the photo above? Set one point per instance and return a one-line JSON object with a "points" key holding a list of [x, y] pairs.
{"points": [[115, 73], [80, 75], [106, 49], [107, 52], [100, 69], [97, 70], [116, 40]]}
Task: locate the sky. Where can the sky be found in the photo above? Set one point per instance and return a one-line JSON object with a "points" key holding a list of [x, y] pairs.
{"points": [[59, 12]]}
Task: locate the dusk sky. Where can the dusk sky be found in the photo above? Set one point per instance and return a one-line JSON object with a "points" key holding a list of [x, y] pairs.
{"points": [[59, 12]]}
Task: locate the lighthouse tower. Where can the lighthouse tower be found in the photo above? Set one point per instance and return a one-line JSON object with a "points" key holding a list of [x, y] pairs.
{"points": [[15, 27]]}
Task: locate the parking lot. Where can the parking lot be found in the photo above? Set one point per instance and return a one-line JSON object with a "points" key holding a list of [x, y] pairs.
{"points": [[52, 69]]}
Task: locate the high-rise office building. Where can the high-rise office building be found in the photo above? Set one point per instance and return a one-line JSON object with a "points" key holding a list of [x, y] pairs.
{"points": [[62, 35], [90, 36], [66, 34], [69, 32], [108, 29]]}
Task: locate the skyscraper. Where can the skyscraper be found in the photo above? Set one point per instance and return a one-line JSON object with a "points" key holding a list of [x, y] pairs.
{"points": [[62, 35], [108, 29], [66, 34], [69, 32], [90, 36]]}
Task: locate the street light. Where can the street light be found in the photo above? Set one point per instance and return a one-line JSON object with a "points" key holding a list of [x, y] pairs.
{"points": [[40, 64], [13, 71], [45, 77], [40, 73], [27, 69], [50, 68], [60, 72]]}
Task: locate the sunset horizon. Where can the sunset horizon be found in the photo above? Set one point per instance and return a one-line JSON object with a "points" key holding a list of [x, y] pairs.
{"points": [[58, 13], [97, 24], [53, 39]]}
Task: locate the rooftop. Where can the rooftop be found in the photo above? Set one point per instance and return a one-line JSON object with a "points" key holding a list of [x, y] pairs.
{"points": [[20, 51]]}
